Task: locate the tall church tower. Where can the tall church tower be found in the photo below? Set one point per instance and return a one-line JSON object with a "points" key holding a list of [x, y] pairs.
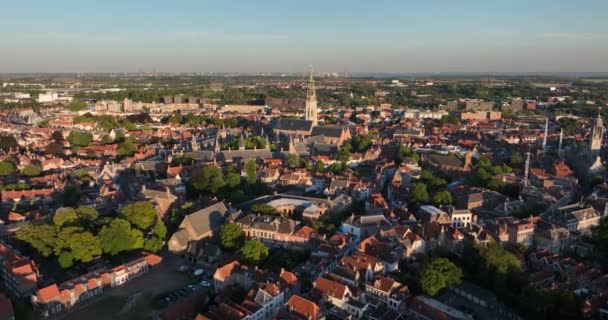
{"points": [[311, 101], [597, 135]]}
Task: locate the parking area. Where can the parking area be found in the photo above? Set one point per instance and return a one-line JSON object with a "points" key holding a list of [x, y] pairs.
{"points": [[138, 298]]}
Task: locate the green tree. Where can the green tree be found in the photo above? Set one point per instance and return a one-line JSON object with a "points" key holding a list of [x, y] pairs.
{"points": [[238, 196], [155, 242], [64, 216], [251, 171], [118, 236], [293, 161], [7, 167], [41, 237], [231, 236], [71, 195], [65, 260], [264, 209], [319, 166], [85, 246], [31, 170], [361, 143], [8, 142], [442, 198], [254, 251], [87, 214], [141, 214], [76, 105], [404, 152], [437, 274], [484, 162], [516, 160], [54, 148], [232, 178], [419, 194], [80, 139], [343, 155], [208, 178], [126, 149]]}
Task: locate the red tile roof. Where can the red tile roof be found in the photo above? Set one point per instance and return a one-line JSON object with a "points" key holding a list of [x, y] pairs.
{"points": [[303, 307], [48, 293], [330, 288], [153, 259]]}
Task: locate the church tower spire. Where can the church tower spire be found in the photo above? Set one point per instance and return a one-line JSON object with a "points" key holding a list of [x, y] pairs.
{"points": [[597, 134], [311, 100]]}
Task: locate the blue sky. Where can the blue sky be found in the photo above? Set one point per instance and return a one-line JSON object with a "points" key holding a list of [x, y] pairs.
{"points": [[332, 35]]}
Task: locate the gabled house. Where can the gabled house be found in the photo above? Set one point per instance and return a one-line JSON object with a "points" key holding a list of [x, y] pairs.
{"points": [[332, 291], [392, 293]]}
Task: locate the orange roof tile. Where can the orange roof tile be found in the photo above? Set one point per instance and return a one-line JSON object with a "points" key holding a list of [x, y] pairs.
{"points": [[304, 307], [48, 293], [153, 259]]}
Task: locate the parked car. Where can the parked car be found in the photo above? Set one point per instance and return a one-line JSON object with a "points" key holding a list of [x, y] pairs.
{"points": [[183, 268], [198, 272], [205, 283]]}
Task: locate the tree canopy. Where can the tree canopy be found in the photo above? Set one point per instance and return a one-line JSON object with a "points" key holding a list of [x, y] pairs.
{"points": [[118, 236], [8, 142], [437, 274], [54, 148], [87, 214], [208, 178], [442, 198], [31, 170], [263, 209], [64, 216], [254, 251], [141, 214], [250, 169], [7, 167], [80, 139], [419, 194], [231, 236]]}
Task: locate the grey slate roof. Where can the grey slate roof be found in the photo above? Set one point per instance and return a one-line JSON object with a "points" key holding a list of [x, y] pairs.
{"points": [[445, 160], [207, 219], [328, 131], [293, 124]]}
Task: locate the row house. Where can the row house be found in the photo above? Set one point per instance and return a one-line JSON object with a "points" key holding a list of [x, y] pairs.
{"points": [[383, 250], [390, 292], [262, 303], [295, 178], [230, 274], [54, 298], [575, 217], [298, 307], [108, 150], [365, 265], [332, 291], [13, 196], [19, 273], [275, 229]]}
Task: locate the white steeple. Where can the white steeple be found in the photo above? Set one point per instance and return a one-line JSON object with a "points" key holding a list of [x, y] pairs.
{"points": [[597, 135], [311, 100]]}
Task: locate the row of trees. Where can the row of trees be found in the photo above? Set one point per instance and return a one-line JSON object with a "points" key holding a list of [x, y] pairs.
{"points": [[81, 234], [233, 238], [226, 185]]}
